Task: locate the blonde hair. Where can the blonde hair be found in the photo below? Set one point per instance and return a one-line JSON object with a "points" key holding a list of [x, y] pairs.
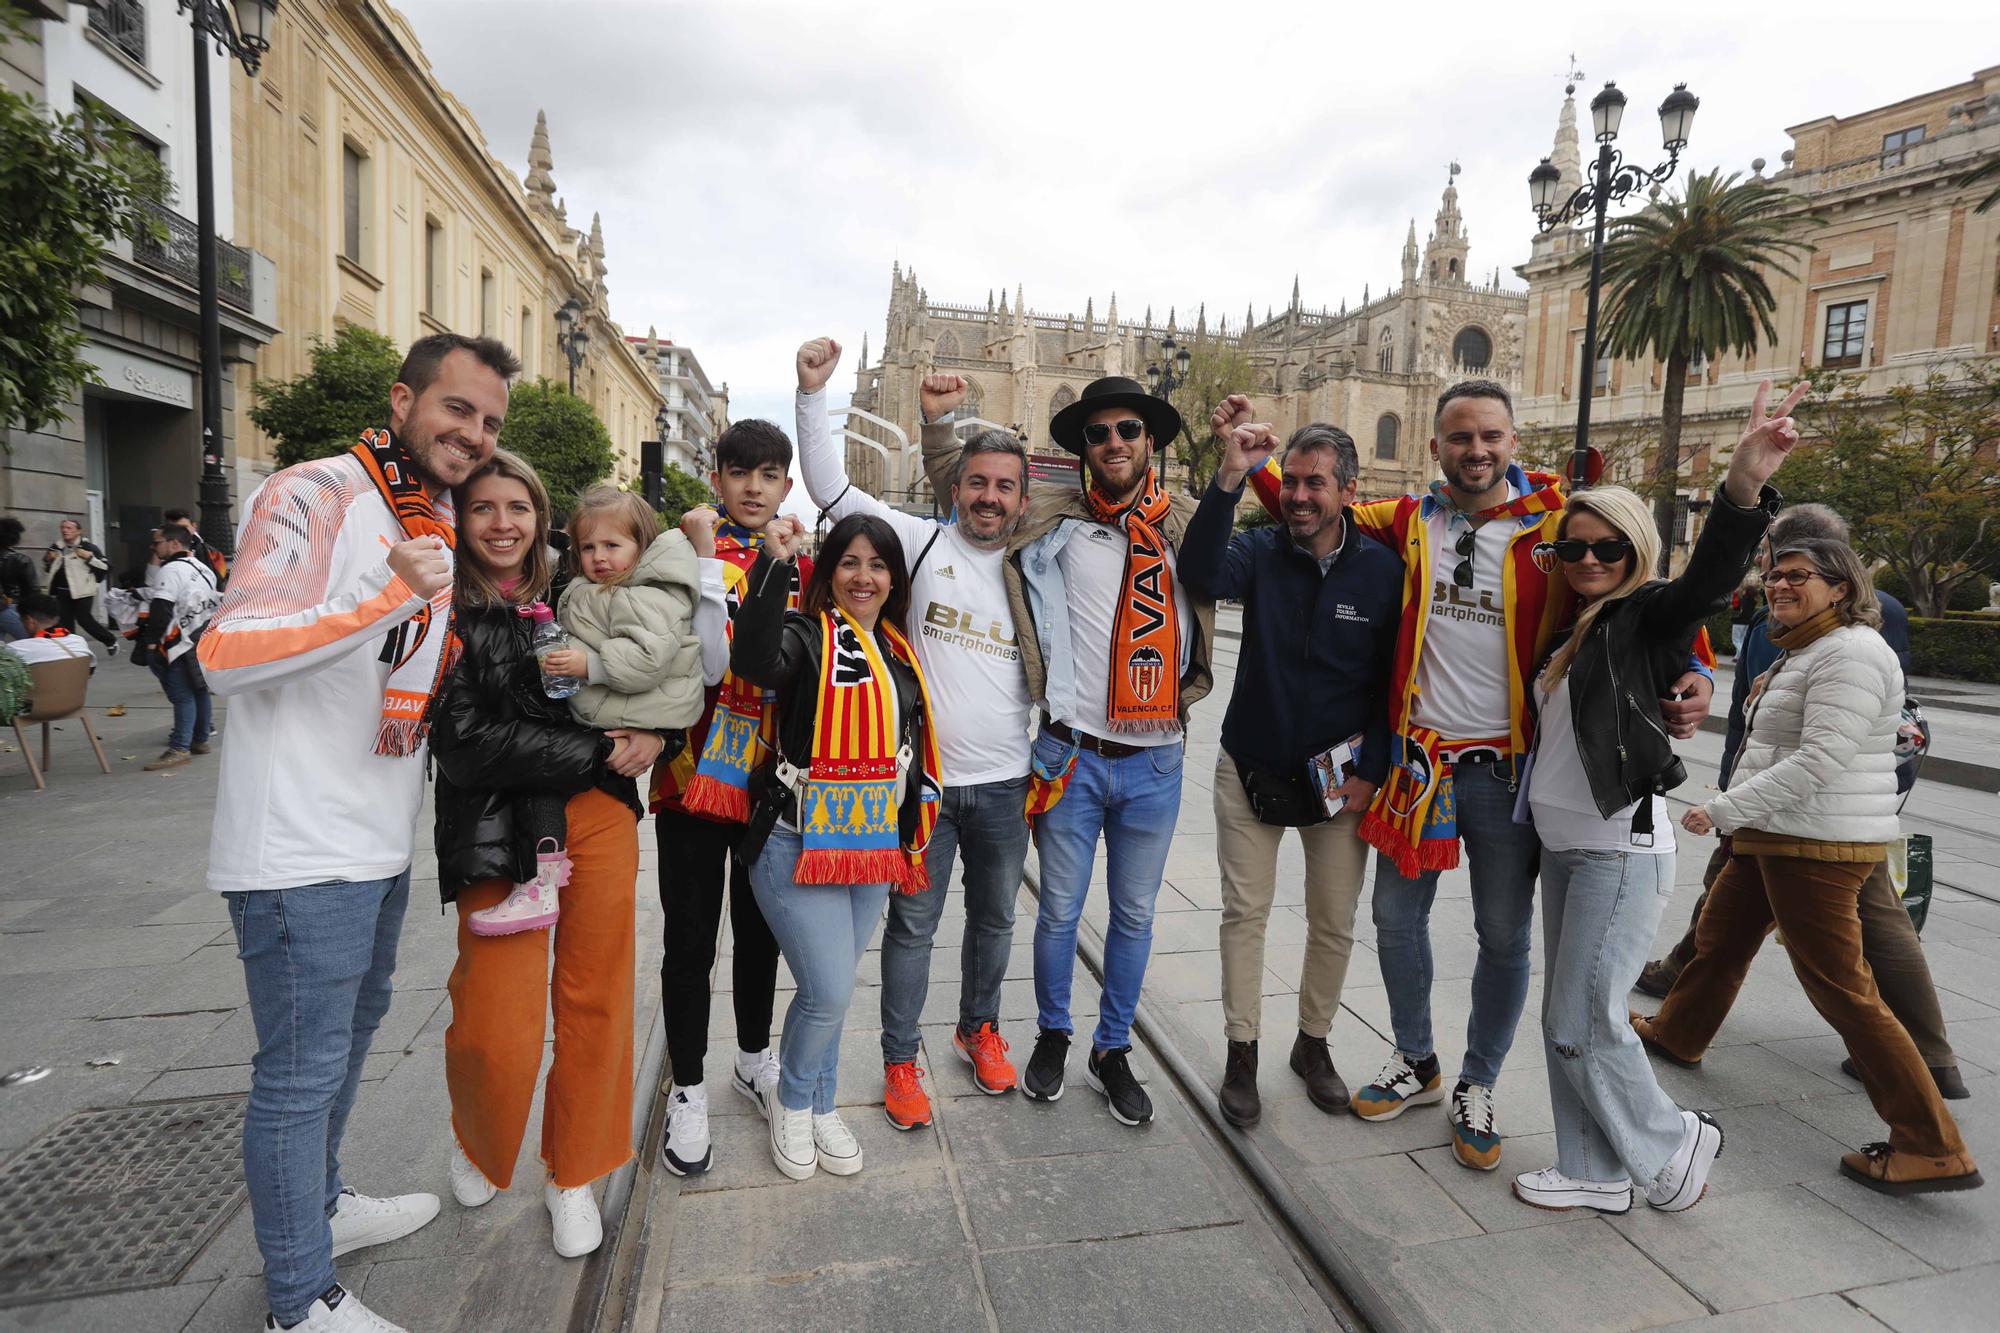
{"points": [[1630, 518], [608, 504], [475, 587]]}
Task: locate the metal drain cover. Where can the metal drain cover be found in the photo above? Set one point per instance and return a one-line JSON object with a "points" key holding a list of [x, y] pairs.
{"points": [[118, 1199]]}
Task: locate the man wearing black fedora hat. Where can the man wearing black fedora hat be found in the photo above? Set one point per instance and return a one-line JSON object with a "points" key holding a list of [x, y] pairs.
{"points": [[1118, 652]]}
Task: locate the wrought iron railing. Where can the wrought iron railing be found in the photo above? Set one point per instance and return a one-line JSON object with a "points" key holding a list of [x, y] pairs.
{"points": [[174, 249], [123, 24]]}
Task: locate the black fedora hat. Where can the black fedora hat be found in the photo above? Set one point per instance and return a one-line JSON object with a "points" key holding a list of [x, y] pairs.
{"points": [[1066, 427]]}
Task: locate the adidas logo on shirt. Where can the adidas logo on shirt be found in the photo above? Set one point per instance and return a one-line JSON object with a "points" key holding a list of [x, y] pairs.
{"points": [[945, 572], [1100, 534]]}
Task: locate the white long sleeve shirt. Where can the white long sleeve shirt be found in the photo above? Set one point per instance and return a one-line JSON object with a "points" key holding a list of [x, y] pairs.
{"points": [[299, 645]]}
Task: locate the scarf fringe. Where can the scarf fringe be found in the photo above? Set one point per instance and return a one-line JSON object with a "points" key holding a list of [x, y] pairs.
{"points": [[399, 736], [715, 799], [1428, 854], [851, 865], [1143, 726]]}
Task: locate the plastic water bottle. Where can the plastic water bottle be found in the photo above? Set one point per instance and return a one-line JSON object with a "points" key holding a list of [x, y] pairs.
{"points": [[548, 637]]}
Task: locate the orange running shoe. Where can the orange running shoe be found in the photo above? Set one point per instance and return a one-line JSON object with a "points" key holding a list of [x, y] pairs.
{"points": [[986, 1052], [904, 1101]]}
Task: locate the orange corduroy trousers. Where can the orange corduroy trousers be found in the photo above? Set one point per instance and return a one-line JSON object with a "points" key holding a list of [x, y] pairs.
{"points": [[502, 991]]}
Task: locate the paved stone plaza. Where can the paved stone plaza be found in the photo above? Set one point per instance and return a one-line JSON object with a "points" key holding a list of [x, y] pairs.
{"points": [[1005, 1213]]}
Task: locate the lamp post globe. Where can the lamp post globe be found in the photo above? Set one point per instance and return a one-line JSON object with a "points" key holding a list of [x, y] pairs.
{"points": [[1677, 117], [1607, 110]]}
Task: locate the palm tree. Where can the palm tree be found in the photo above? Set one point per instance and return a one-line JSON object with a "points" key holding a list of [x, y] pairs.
{"points": [[1686, 280]]}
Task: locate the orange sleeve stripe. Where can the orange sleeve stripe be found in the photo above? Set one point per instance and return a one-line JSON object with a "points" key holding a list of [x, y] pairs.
{"points": [[226, 647]]}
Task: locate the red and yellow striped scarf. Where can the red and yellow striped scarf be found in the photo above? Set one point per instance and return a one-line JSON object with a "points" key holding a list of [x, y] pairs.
{"points": [[850, 801]]}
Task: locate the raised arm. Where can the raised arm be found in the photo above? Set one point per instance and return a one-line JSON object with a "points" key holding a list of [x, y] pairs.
{"points": [[833, 492], [278, 623], [939, 396], [1212, 559], [763, 650]]}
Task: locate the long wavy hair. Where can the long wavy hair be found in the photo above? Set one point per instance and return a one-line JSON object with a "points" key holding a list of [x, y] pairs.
{"points": [[473, 585], [1631, 518]]}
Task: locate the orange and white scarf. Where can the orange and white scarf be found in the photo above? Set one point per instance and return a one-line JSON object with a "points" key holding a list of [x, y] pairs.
{"points": [[1145, 680], [429, 647]]}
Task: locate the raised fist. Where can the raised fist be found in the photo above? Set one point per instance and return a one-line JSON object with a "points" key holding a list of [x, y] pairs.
{"points": [[1230, 413], [1243, 452], [783, 536], [423, 564], [698, 526], [816, 361], [941, 394]]}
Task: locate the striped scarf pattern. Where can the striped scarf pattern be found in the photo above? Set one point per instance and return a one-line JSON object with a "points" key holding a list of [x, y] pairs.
{"points": [[743, 729], [1145, 679], [849, 808], [429, 646]]}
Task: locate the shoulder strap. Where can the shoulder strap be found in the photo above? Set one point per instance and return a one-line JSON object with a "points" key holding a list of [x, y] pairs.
{"points": [[937, 531]]}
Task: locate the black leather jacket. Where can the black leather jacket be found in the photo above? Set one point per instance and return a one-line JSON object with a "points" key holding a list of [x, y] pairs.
{"points": [[1638, 648], [496, 737], [781, 651]]}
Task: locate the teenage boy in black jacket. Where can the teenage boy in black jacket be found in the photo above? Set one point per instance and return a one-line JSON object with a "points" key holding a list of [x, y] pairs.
{"points": [[1321, 608]]}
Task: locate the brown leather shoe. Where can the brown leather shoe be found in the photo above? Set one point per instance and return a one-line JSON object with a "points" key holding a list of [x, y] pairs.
{"points": [[1312, 1062], [1656, 978], [1883, 1169], [1643, 1025], [1241, 1106]]}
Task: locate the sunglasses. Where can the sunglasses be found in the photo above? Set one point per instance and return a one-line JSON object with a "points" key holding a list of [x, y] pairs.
{"points": [[1462, 576], [1097, 432], [1793, 578], [1609, 551]]}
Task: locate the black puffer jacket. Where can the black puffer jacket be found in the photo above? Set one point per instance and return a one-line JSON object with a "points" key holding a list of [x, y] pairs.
{"points": [[781, 652], [1636, 650], [495, 737]]}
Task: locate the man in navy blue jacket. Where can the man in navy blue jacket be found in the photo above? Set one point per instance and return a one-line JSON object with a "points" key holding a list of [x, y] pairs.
{"points": [[1321, 608]]}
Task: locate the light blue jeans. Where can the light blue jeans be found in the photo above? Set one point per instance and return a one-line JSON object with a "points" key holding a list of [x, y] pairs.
{"points": [[318, 963], [1503, 856], [1599, 911], [986, 822], [1133, 802], [822, 929]]}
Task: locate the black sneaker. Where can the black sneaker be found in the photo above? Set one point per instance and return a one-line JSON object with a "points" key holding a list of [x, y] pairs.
{"points": [[1044, 1080], [1110, 1073]]}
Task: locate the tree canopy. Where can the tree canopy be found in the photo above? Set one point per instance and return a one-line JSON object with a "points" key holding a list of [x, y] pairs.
{"points": [[324, 410]]}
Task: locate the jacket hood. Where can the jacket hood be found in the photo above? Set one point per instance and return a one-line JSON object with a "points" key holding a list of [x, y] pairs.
{"points": [[668, 561]]}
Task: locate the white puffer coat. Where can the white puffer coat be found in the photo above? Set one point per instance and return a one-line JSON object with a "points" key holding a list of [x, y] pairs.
{"points": [[645, 655], [1818, 758]]}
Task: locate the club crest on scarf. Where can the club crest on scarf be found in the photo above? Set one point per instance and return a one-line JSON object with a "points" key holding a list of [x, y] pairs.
{"points": [[1145, 630]]}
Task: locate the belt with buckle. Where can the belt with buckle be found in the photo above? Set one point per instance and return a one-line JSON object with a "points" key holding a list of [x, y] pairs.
{"points": [[1095, 744]]}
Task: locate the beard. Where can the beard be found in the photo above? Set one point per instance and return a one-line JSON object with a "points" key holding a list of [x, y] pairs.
{"points": [[988, 527], [1129, 475]]}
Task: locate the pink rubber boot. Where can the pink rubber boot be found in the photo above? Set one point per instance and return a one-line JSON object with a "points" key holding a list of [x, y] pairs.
{"points": [[532, 905]]}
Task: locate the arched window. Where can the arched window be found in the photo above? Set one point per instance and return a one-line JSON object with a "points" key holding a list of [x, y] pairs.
{"points": [[971, 406], [1472, 348], [1454, 268], [947, 345], [1061, 398], [1385, 352], [1388, 433]]}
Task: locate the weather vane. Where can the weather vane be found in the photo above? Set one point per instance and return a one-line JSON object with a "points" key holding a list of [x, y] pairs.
{"points": [[1575, 75]]}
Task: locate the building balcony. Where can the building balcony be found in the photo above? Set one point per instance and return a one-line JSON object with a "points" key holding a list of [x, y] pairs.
{"points": [[174, 250], [121, 23]]}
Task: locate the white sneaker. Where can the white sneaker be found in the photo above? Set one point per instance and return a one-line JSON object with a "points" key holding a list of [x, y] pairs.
{"points": [[347, 1315], [1684, 1179], [687, 1151], [1551, 1189], [792, 1146], [469, 1184], [756, 1077], [359, 1221], [839, 1150], [579, 1229]]}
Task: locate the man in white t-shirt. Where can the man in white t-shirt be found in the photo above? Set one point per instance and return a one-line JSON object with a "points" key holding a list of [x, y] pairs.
{"points": [[47, 640], [1117, 651], [963, 629]]}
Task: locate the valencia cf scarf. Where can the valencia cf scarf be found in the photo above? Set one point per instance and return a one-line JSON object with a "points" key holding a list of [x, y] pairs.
{"points": [[743, 728], [850, 800], [428, 647], [1145, 682]]}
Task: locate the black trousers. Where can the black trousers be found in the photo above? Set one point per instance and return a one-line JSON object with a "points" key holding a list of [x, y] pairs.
{"points": [[692, 855], [75, 612]]}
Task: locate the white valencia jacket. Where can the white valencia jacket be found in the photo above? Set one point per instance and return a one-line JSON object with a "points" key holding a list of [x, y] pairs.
{"points": [[1818, 758]]}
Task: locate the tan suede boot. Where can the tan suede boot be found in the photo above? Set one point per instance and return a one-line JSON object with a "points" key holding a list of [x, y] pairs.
{"points": [[1883, 1169]]}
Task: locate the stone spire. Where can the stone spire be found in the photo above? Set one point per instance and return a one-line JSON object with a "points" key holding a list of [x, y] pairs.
{"points": [[1445, 253], [1089, 316], [541, 183], [1249, 317], [1201, 321], [1565, 156], [1111, 317], [1409, 258], [862, 363], [1171, 327], [1295, 291]]}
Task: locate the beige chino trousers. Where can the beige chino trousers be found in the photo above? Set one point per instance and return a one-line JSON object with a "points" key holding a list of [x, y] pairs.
{"points": [[1247, 852]]}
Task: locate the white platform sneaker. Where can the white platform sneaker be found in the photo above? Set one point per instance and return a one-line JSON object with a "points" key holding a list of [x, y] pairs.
{"points": [[839, 1151], [792, 1146], [578, 1228]]}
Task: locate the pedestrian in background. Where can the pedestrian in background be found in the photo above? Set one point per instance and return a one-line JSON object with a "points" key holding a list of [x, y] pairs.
{"points": [[76, 566], [17, 579]]}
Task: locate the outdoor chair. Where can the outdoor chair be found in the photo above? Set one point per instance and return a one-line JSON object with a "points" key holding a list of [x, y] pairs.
{"points": [[56, 692]]}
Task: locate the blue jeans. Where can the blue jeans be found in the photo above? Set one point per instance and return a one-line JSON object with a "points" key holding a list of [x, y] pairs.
{"points": [[1133, 802], [317, 962], [11, 627], [1503, 856], [1599, 911], [192, 716], [822, 929], [989, 823]]}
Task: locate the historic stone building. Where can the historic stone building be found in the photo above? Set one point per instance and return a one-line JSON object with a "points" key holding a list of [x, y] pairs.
{"points": [[1903, 278], [374, 190], [696, 411], [1375, 369]]}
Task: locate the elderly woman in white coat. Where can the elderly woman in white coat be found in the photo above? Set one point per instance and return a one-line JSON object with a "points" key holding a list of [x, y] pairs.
{"points": [[1810, 810]]}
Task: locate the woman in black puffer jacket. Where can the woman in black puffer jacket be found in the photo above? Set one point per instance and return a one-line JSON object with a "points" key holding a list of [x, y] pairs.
{"points": [[497, 737]]}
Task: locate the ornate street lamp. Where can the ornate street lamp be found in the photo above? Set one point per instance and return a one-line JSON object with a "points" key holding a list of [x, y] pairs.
{"points": [[1612, 178], [1170, 371], [571, 336], [242, 30]]}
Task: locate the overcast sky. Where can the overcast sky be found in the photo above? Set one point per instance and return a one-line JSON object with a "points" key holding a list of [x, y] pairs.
{"points": [[760, 165]]}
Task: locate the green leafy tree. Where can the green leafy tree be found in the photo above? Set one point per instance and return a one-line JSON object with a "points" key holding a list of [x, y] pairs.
{"points": [[1912, 472], [1216, 369], [68, 184], [679, 492], [324, 410], [1685, 279], [558, 434]]}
